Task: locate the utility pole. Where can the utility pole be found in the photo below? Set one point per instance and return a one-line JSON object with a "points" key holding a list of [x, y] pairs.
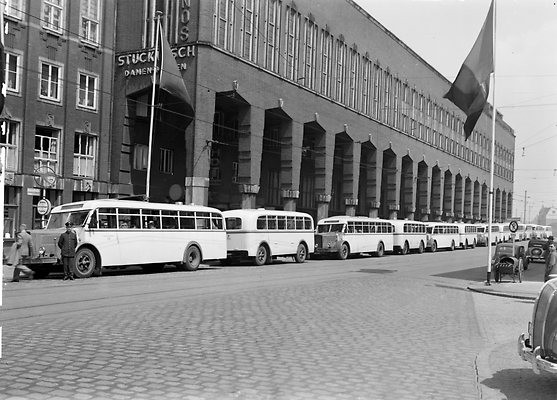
{"points": [[525, 206]]}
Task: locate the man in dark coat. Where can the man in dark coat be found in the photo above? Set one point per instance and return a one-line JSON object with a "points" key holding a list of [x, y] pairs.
{"points": [[67, 243], [546, 254], [24, 246]]}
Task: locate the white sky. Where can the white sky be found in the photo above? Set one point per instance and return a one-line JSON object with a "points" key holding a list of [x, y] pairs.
{"points": [[442, 32]]}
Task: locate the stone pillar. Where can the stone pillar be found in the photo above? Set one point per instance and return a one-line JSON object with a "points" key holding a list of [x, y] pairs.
{"points": [[436, 188], [424, 192], [476, 208], [249, 194], [198, 138], [251, 122], [292, 136], [373, 187], [324, 156], [323, 201], [394, 190], [351, 176], [468, 200], [409, 212], [448, 196], [459, 198]]}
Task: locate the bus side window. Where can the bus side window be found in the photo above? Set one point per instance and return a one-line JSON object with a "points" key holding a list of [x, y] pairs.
{"points": [[93, 222], [262, 222], [272, 221], [308, 224], [281, 222], [290, 223]]}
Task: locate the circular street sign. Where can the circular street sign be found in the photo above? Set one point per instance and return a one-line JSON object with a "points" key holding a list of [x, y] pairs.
{"points": [[513, 226], [45, 177], [43, 206]]}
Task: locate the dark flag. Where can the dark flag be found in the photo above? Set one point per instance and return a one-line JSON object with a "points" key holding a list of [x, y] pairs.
{"points": [[171, 80], [471, 87]]}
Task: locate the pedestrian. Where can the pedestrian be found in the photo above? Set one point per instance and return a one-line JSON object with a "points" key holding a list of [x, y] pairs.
{"points": [[22, 249], [67, 243], [551, 266], [545, 253]]}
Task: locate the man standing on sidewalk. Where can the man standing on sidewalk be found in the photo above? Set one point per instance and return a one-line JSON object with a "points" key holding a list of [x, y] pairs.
{"points": [[24, 246], [67, 243], [551, 263]]}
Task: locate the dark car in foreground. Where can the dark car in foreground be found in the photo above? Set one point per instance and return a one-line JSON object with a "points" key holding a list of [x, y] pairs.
{"points": [[539, 345], [535, 250]]}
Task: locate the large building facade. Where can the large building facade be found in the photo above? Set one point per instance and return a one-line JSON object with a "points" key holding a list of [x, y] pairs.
{"points": [[309, 105], [306, 105], [58, 109]]}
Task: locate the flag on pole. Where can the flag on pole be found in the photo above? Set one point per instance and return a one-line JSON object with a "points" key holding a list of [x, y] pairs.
{"points": [[170, 78], [470, 89]]}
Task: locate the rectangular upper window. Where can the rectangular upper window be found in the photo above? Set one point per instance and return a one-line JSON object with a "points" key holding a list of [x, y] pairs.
{"points": [[51, 81], [14, 8], [13, 68], [87, 91], [90, 12], [53, 15]]}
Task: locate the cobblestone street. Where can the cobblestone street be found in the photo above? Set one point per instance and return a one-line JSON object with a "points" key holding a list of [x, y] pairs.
{"points": [[369, 336]]}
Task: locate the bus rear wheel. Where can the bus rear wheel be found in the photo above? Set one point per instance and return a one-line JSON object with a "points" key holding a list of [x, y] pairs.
{"points": [[434, 246], [421, 249], [405, 249], [262, 256], [301, 253], [85, 263], [380, 250], [192, 259]]}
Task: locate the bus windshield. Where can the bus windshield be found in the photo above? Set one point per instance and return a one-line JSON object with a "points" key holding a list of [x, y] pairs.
{"points": [[329, 228], [429, 229], [58, 220]]}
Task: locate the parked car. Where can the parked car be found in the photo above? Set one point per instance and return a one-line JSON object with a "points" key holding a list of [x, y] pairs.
{"points": [[508, 259], [535, 250], [539, 346]]}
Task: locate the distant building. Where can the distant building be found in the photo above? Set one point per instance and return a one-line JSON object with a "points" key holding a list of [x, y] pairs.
{"points": [[58, 110]]}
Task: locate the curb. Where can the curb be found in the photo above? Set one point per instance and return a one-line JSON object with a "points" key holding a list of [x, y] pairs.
{"points": [[504, 294]]}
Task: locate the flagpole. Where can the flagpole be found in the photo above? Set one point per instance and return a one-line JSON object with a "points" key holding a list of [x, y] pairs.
{"points": [[153, 93], [493, 125]]}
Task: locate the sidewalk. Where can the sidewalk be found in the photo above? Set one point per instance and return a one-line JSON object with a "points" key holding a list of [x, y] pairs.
{"points": [[527, 290]]}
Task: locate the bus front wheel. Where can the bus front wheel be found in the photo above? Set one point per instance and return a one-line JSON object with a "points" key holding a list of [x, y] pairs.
{"points": [[85, 263], [405, 249], [343, 252], [434, 246], [192, 259]]}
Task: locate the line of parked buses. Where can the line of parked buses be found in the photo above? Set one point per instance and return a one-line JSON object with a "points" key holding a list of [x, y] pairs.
{"points": [[117, 233]]}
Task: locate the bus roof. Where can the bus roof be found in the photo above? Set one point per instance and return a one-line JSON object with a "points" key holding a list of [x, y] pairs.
{"points": [[345, 218], [92, 204], [257, 212]]}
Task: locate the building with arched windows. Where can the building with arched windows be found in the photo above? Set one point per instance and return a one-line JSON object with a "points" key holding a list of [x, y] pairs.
{"points": [[307, 105]]}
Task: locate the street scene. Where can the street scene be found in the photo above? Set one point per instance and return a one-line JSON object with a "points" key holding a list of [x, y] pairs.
{"points": [[398, 327], [278, 200]]}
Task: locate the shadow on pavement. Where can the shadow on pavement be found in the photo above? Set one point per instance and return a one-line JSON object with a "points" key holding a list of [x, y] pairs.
{"points": [[534, 273], [523, 384]]}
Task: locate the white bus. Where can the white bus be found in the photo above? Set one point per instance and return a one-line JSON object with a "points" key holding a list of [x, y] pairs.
{"points": [[113, 233], [262, 235], [468, 234], [344, 235], [442, 235], [408, 236]]}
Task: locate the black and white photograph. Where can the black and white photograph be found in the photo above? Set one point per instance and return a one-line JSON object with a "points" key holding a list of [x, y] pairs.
{"points": [[278, 199]]}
